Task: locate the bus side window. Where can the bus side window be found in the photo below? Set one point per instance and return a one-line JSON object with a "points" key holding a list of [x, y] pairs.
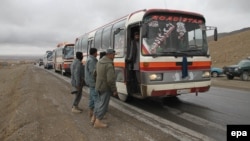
{"points": [[119, 43]]}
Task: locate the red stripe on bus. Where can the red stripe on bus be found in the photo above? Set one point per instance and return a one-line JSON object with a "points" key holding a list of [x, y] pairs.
{"points": [[173, 92]]}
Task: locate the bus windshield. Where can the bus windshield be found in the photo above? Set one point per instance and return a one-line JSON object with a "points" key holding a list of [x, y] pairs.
{"points": [[174, 35], [49, 56], [68, 52]]}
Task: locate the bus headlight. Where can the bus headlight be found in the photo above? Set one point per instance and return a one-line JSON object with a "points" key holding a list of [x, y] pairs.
{"points": [[156, 77], [206, 74]]}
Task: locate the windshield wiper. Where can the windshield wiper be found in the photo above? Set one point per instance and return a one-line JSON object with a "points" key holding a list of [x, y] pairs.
{"points": [[191, 49], [169, 53], [194, 51]]}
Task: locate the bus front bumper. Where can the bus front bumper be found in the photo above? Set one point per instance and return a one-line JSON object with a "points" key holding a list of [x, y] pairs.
{"points": [[174, 89]]}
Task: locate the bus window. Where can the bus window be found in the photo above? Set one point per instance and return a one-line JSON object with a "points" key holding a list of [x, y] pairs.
{"points": [[119, 43], [68, 52], [119, 38], [84, 44], [166, 36], [120, 24], [77, 44], [98, 39], [106, 37]]}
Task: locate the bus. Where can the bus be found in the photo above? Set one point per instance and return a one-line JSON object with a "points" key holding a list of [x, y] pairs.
{"points": [[172, 55], [47, 60], [63, 56]]}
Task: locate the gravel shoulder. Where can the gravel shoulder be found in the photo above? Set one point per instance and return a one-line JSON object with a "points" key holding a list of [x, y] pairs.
{"points": [[36, 106]]}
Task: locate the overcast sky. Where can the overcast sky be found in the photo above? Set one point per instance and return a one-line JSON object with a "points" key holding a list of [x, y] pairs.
{"points": [[34, 26]]}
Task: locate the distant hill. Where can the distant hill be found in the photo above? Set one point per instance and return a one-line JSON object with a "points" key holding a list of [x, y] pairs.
{"points": [[230, 48]]}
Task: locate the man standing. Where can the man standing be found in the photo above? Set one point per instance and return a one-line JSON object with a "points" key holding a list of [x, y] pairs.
{"points": [[105, 86], [133, 63], [135, 51], [77, 80], [90, 67]]}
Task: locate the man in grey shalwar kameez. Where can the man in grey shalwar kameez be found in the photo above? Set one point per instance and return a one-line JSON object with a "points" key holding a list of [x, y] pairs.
{"points": [[77, 80]]}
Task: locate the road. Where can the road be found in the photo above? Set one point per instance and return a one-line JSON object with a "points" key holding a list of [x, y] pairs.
{"points": [[208, 113]]}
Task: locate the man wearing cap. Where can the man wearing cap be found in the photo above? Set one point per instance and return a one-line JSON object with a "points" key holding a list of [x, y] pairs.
{"points": [[105, 86]]}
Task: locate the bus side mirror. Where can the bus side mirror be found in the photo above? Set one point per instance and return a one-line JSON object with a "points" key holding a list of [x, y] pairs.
{"points": [[117, 31], [211, 28], [215, 34]]}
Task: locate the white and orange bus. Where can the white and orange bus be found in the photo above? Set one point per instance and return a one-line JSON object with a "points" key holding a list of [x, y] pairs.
{"points": [[172, 57], [63, 56]]}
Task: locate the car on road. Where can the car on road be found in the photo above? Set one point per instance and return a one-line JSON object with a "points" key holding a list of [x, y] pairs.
{"points": [[216, 72], [40, 62], [242, 70]]}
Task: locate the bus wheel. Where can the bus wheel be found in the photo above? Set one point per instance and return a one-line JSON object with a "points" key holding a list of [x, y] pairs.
{"points": [[123, 97], [63, 73]]}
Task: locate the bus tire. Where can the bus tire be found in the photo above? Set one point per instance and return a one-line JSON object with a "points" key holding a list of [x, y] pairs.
{"points": [[123, 97], [63, 73]]}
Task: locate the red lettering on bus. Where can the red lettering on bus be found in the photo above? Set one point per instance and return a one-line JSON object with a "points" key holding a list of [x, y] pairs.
{"points": [[176, 19], [162, 18], [169, 18], [155, 17]]}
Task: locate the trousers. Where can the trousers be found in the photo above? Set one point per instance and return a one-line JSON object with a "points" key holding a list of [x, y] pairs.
{"points": [[77, 99], [102, 103], [92, 97]]}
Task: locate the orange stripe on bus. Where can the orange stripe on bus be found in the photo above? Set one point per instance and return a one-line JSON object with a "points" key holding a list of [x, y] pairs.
{"points": [[119, 64], [157, 64], [173, 65], [202, 63]]}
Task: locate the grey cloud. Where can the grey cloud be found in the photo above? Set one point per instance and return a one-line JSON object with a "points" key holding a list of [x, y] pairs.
{"points": [[46, 22], [229, 6]]}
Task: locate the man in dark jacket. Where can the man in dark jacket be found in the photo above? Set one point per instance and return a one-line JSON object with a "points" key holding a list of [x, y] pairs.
{"points": [[90, 68], [105, 86], [77, 80]]}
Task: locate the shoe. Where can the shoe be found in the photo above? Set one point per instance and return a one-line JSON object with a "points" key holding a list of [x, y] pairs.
{"points": [[99, 124], [79, 108], [76, 110]]}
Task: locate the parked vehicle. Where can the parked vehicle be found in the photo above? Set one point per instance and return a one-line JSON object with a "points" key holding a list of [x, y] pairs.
{"points": [[242, 70], [216, 72]]}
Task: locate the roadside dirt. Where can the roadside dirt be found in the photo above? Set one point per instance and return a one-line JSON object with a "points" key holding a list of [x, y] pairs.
{"points": [[36, 106]]}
